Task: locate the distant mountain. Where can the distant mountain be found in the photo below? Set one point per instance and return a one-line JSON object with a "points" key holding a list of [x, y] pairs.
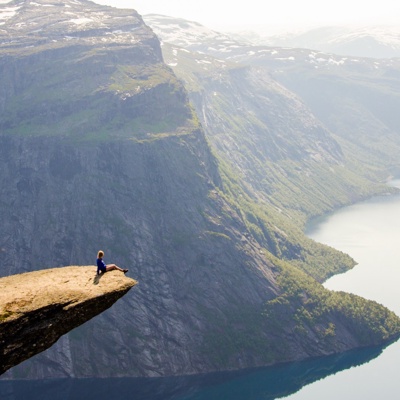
{"points": [[355, 98], [369, 41], [190, 34]]}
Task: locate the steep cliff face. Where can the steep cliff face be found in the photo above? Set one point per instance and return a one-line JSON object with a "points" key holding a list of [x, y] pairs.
{"points": [[154, 208], [278, 160], [86, 71], [39, 307], [290, 112], [99, 148]]}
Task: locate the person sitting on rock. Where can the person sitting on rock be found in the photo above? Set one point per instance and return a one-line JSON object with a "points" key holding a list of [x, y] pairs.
{"points": [[102, 267]]}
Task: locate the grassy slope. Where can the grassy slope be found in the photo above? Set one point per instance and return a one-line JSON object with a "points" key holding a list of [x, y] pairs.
{"points": [[82, 96]]}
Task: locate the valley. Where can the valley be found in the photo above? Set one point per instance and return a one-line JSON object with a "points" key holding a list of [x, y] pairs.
{"points": [[197, 171]]}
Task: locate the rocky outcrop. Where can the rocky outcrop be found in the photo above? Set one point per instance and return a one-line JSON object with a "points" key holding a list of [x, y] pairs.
{"points": [[36, 308]]}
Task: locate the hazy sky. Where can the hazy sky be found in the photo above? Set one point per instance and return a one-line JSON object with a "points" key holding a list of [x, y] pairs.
{"points": [[287, 13], [272, 13]]}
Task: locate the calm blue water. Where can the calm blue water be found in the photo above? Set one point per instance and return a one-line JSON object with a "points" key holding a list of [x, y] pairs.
{"points": [[370, 233], [265, 384]]}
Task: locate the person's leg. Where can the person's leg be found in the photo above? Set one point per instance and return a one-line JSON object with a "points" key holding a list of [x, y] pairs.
{"points": [[111, 267]]}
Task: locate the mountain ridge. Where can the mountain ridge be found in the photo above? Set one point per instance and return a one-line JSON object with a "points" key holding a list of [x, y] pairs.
{"points": [[286, 157], [369, 41], [364, 41], [303, 71]]}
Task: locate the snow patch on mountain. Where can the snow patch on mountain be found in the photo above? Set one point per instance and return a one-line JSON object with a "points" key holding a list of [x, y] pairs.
{"points": [[26, 24], [7, 13], [218, 48], [189, 34], [80, 21]]}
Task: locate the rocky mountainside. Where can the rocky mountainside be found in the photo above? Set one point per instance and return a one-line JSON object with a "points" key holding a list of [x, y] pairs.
{"points": [[38, 307], [272, 143], [101, 148], [373, 41], [354, 98]]}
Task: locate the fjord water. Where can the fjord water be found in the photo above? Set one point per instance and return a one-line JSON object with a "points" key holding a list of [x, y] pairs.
{"points": [[370, 233]]}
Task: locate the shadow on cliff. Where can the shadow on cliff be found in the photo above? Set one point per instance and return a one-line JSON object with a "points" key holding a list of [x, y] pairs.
{"points": [[97, 278], [264, 383]]}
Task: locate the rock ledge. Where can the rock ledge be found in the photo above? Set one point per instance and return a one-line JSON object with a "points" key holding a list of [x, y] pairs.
{"points": [[36, 308]]}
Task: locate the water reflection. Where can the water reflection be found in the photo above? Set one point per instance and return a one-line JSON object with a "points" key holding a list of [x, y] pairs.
{"points": [[260, 384]]}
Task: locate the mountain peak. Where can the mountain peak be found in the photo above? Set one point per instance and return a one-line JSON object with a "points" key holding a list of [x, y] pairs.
{"points": [[32, 23]]}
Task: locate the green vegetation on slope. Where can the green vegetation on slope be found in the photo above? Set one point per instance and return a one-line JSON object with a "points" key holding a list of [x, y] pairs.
{"points": [[276, 187], [279, 165], [81, 96], [304, 313], [317, 308], [281, 231]]}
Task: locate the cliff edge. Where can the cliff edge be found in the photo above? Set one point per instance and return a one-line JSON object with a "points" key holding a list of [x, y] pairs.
{"points": [[36, 308]]}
